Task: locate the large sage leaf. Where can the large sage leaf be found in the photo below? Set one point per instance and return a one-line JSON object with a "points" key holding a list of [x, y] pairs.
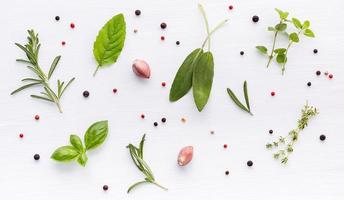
{"points": [[203, 79], [182, 82], [109, 42], [96, 134]]}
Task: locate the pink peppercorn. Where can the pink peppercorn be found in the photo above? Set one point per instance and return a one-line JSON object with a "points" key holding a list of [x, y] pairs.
{"points": [[162, 38], [21, 135], [63, 43], [36, 117], [72, 25], [114, 90], [142, 116], [163, 84], [330, 76], [273, 93], [225, 146], [230, 7]]}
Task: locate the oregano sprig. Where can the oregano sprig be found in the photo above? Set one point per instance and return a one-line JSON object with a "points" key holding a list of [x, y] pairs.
{"points": [[285, 144], [93, 138], [136, 154], [31, 50], [237, 102]]}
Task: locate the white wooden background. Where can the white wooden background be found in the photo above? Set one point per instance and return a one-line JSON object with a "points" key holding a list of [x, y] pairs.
{"points": [[315, 170]]}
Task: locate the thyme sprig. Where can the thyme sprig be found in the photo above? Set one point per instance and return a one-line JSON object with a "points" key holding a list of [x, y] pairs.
{"points": [[31, 50], [285, 145], [136, 154]]}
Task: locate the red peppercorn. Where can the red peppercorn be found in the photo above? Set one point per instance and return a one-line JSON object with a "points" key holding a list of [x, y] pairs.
{"points": [[142, 116], [230, 7], [162, 38], [72, 25], [63, 43], [273, 93], [36, 117], [21, 135], [163, 84], [225, 146], [330, 76], [114, 90]]}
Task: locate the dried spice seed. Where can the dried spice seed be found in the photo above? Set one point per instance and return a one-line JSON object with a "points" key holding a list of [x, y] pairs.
{"points": [[162, 38], [326, 73], [114, 90], [36, 157], [163, 25], [255, 19], [273, 93], [309, 84], [142, 116], [86, 93], [155, 124], [249, 163], [177, 42], [135, 30], [271, 131], [322, 137], [318, 73], [212, 132], [36, 117], [183, 119], [330, 76], [21, 135], [227, 173], [315, 51], [57, 18], [63, 43], [137, 12], [72, 25], [242, 53], [230, 7], [163, 120], [105, 187], [225, 146], [163, 84]]}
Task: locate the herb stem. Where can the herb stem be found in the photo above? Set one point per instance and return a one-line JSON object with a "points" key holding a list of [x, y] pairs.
{"points": [[286, 53], [273, 47], [95, 72], [206, 23], [160, 186], [213, 31]]}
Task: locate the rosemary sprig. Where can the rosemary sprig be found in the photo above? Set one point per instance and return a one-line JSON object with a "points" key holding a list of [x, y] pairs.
{"points": [[31, 50], [285, 144], [237, 102], [136, 154]]}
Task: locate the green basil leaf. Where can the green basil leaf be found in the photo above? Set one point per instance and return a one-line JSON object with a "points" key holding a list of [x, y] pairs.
{"points": [[262, 49], [82, 159], [309, 33], [96, 134], [294, 37], [77, 143], [281, 27], [281, 58], [110, 41], [280, 50], [203, 79], [297, 23], [306, 24], [182, 82], [65, 153]]}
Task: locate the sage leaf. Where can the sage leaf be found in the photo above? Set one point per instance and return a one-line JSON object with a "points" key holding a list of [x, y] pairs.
{"points": [[76, 142], [294, 37], [110, 41], [65, 153], [203, 79], [182, 82], [309, 33], [262, 49], [82, 159], [297, 23], [96, 134]]}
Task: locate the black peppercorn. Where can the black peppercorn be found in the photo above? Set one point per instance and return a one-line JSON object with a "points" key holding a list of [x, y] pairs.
{"points": [[242, 53], [322, 137], [255, 19], [155, 123], [309, 84], [271, 131], [163, 120], [315, 51], [318, 73], [163, 25], [137, 12], [177, 43], [36, 157], [86, 94], [249, 163], [105, 187], [227, 172], [57, 18]]}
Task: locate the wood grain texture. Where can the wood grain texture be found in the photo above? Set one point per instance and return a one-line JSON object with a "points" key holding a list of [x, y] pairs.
{"points": [[315, 170]]}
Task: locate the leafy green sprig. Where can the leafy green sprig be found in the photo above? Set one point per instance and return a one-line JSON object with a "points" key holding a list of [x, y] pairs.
{"points": [[31, 50], [285, 144], [237, 102], [136, 154], [281, 54]]}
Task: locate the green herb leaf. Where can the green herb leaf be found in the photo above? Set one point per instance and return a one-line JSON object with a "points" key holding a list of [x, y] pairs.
{"points": [[262, 49], [65, 153], [309, 33], [280, 50], [41, 98], [294, 37], [96, 134], [246, 96], [281, 58], [182, 82], [283, 15], [297, 23], [110, 41], [281, 26], [24, 87], [77, 143], [236, 100], [203, 79], [306, 24], [270, 28], [82, 159], [53, 66]]}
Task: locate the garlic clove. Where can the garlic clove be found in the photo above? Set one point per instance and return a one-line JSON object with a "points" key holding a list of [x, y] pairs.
{"points": [[141, 68], [185, 155]]}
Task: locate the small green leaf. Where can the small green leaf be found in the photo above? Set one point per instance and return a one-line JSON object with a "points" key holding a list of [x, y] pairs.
{"points": [[202, 79], [96, 134], [306, 24], [77, 143], [270, 28], [281, 58], [309, 33], [246, 96], [53, 66], [280, 51], [65, 153], [281, 27], [82, 159], [110, 41], [182, 82], [283, 15], [236, 100], [294, 37], [297, 23], [24, 87], [41, 98], [262, 49]]}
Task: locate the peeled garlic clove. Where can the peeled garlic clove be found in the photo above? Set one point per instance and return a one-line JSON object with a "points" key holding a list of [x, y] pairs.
{"points": [[141, 68], [185, 155]]}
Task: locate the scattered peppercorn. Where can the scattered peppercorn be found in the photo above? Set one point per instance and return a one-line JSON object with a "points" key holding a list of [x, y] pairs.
{"points": [[212, 132], [330, 76], [57, 18], [114, 90], [163, 84], [72, 25], [183, 119], [255, 19], [315, 51], [135, 30], [271, 131], [163, 25], [227, 172], [142, 116], [36, 157], [230, 7], [225, 146], [318, 73], [63, 43], [249, 163], [105, 187], [322, 137], [137, 12], [177, 42], [242, 53], [273, 93], [163, 120], [155, 123], [326, 73], [21, 135], [162, 38], [86, 93], [309, 84], [36, 117]]}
